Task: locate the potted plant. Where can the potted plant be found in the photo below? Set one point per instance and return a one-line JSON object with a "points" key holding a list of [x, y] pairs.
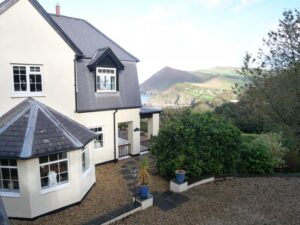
{"points": [[144, 178], [180, 172]]}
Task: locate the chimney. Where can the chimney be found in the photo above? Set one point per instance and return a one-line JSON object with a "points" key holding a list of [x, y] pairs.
{"points": [[57, 9]]}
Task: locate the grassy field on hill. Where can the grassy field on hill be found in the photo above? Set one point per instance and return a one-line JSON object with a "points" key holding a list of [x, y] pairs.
{"points": [[220, 71]]}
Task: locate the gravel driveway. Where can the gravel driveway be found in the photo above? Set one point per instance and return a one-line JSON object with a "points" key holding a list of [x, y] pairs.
{"points": [[255, 201]]}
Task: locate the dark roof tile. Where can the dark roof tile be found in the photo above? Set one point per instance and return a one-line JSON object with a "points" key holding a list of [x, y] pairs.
{"points": [[47, 131]]}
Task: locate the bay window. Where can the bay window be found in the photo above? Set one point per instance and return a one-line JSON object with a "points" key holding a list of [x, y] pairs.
{"points": [[54, 170], [9, 180], [85, 158]]}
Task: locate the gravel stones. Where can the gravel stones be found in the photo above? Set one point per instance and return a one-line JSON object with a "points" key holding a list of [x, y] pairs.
{"points": [[243, 201]]}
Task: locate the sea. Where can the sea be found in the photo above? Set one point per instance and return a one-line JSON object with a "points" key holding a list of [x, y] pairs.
{"points": [[145, 98]]}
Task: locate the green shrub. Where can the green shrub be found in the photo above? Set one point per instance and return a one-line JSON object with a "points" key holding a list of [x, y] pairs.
{"points": [[208, 144], [261, 154], [255, 159]]}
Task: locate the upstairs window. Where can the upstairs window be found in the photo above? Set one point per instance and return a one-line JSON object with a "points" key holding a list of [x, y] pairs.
{"points": [[105, 79], [27, 79]]}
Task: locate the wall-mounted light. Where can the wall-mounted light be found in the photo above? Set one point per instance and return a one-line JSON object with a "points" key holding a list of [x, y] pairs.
{"points": [[136, 129]]}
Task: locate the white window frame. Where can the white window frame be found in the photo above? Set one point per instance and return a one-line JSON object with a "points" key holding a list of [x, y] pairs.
{"points": [[100, 74], [10, 193], [27, 93], [59, 185], [86, 151], [98, 132]]}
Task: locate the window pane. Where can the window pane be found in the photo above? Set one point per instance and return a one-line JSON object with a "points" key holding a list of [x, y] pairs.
{"points": [[53, 157], [63, 177], [17, 87], [32, 78], [16, 79], [97, 144], [5, 173], [63, 166], [4, 162], [63, 155], [23, 78], [6, 185], [44, 170], [16, 70], [54, 167], [38, 87], [23, 70], [13, 162], [32, 88], [38, 78], [14, 174], [23, 87], [15, 186], [43, 159], [44, 182]]}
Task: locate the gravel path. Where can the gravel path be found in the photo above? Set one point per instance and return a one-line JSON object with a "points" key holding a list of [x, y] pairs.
{"points": [[255, 201]]}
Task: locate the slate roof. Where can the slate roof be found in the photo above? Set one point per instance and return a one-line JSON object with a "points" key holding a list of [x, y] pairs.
{"points": [[32, 129], [88, 38], [127, 97], [101, 54], [149, 110], [81, 36]]}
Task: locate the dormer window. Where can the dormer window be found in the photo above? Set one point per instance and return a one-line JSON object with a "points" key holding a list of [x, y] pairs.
{"points": [[106, 79]]}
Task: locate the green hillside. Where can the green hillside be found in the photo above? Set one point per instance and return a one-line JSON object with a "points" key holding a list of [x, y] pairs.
{"points": [[220, 71]]}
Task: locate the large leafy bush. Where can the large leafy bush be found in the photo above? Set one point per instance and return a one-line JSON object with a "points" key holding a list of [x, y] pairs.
{"points": [[209, 145], [261, 154]]}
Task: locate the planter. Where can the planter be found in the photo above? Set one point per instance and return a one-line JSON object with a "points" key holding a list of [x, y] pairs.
{"points": [[180, 176], [143, 191]]}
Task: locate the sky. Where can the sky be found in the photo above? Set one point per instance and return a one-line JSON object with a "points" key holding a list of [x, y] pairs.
{"points": [[183, 34]]}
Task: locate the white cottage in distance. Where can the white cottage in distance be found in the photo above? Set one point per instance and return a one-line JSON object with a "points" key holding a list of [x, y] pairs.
{"points": [[58, 73]]}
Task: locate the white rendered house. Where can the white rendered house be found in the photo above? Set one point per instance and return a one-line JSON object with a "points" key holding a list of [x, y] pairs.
{"points": [[70, 68]]}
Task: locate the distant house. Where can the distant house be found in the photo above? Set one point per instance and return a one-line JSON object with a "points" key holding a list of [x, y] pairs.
{"points": [[65, 88]]}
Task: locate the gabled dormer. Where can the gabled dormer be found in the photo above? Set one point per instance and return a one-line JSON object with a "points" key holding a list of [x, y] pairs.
{"points": [[106, 68]]}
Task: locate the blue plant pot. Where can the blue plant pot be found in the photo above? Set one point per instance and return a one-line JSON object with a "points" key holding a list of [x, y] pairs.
{"points": [[143, 191], [180, 176]]}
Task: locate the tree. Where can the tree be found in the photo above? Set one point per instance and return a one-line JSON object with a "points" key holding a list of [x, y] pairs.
{"points": [[273, 91]]}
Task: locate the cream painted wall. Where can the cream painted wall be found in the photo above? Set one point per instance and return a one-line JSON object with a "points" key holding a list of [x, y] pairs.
{"points": [[105, 119], [33, 202], [27, 38], [131, 115], [153, 125]]}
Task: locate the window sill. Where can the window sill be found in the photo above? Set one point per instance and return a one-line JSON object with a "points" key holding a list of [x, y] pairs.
{"points": [[56, 188], [85, 173], [15, 95], [98, 149], [10, 194], [101, 92]]}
